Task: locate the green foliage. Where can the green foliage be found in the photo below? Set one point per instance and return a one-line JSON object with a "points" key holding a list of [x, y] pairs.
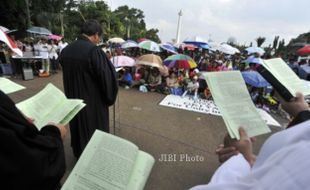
{"points": [[260, 40], [124, 22]]}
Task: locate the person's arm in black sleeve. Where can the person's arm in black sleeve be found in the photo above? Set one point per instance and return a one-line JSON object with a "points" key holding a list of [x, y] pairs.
{"points": [[106, 75]]}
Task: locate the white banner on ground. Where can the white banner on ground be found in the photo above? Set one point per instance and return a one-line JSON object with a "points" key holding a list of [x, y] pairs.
{"points": [[188, 103], [206, 107]]}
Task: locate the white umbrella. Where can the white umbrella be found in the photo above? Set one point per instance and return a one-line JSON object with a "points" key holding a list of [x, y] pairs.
{"points": [[116, 40], [258, 50], [228, 49], [129, 44], [214, 46]]}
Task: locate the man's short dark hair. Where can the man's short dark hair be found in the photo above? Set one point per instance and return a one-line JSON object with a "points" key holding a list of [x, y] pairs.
{"points": [[91, 27]]}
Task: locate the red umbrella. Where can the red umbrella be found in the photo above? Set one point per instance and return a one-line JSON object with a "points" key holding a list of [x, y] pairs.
{"points": [[304, 50]]}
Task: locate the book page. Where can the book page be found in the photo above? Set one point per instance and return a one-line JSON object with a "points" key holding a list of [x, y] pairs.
{"points": [[71, 114], [106, 163], [49, 105], [234, 102], [7, 86], [141, 171], [286, 76]]}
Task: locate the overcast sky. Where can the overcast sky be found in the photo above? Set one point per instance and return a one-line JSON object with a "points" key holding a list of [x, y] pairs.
{"points": [[220, 19]]}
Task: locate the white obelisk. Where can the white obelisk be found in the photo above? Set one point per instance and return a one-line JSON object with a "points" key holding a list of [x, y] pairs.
{"points": [[179, 28]]}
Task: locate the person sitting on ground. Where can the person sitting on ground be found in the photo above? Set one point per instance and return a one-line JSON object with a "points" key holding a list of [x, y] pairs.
{"points": [[275, 167], [126, 79], [30, 158], [173, 84], [154, 80], [191, 87]]}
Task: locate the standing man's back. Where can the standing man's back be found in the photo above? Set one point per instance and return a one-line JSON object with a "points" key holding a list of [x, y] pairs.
{"points": [[89, 75]]}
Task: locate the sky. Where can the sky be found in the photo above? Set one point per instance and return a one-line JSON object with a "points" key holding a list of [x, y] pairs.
{"points": [[218, 20]]}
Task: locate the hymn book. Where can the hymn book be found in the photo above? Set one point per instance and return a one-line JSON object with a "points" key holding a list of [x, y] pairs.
{"points": [[110, 162], [7, 86], [283, 78], [50, 105], [230, 94]]}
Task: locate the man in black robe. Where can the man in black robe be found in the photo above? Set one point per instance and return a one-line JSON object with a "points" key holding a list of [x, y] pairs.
{"points": [[89, 75], [29, 158]]}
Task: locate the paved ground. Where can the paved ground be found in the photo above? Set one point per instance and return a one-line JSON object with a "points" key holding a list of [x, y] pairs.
{"points": [[157, 130]]}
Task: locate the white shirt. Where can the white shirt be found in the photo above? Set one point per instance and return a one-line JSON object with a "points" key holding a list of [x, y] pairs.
{"points": [[283, 163]]}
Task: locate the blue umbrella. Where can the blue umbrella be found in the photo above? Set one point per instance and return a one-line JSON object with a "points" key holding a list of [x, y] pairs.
{"points": [[253, 78], [39, 30], [256, 60], [168, 47]]}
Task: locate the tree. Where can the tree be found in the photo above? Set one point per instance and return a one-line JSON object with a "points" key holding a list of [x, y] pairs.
{"points": [[275, 42], [232, 41], [260, 40]]}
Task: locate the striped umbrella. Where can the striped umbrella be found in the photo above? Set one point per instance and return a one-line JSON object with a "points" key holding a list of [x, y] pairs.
{"points": [[180, 61], [168, 47], [150, 46], [150, 60]]}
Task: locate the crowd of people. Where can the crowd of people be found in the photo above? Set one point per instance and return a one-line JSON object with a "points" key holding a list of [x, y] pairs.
{"points": [[181, 81], [41, 55]]}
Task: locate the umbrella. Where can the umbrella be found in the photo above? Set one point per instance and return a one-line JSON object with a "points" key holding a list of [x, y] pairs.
{"points": [[122, 61], [184, 46], [129, 44], [255, 50], [304, 50], [4, 38], [180, 61], [54, 37], [150, 60], [253, 78], [116, 40], [149, 45], [228, 49], [214, 46], [168, 47], [253, 59], [195, 40], [39, 30]]}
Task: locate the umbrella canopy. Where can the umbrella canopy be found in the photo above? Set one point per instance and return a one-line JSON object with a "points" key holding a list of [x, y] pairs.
{"points": [[228, 49], [196, 40], [116, 40], [253, 59], [149, 45], [150, 60], [214, 46], [129, 44], [39, 30], [184, 46], [168, 47], [54, 37], [180, 61], [122, 61], [258, 50], [253, 78], [304, 50], [4, 38]]}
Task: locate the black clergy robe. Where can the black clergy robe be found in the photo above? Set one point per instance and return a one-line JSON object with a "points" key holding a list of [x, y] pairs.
{"points": [[89, 75], [29, 158]]}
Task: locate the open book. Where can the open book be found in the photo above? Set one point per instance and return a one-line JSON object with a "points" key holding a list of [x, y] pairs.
{"points": [[50, 105], [235, 104], [112, 163], [7, 86], [282, 78]]}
